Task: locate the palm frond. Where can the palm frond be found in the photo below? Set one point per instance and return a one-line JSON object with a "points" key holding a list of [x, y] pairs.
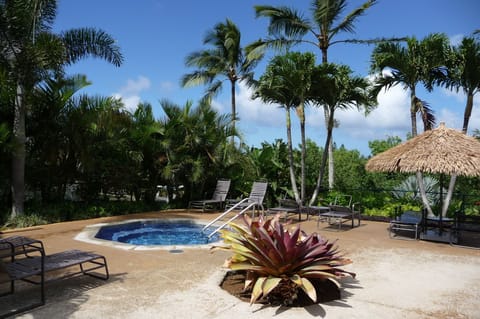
{"points": [[284, 21], [83, 42]]}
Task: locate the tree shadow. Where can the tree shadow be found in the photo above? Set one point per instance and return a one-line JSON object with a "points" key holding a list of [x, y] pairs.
{"points": [[62, 297]]}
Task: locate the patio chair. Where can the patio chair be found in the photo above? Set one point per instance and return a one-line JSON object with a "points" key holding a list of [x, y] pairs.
{"points": [[254, 200], [24, 259], [287, 206], [404, 223], [218, 198], [342, 210]]}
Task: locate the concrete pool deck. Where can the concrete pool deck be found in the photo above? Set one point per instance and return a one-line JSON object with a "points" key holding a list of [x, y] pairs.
{"points": [[395, 278]]}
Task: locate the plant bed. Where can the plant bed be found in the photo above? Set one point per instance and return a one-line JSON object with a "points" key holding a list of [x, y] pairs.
{"points": [[374, 218], [234, 282]]}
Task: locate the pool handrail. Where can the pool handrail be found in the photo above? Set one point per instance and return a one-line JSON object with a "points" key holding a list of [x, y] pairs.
{"points": [[231, 219]]}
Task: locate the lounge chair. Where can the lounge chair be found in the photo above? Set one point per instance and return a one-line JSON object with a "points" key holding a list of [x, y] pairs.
{"points": [[287, 206], [254, 200], [23, 258], [342, 210], [218, 198], [404, 222]]}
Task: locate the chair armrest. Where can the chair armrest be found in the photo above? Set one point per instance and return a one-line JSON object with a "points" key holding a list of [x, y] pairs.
{"points": [[357, 207]]}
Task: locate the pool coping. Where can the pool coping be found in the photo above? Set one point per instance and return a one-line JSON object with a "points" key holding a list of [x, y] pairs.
{"points": [[87, 235]]}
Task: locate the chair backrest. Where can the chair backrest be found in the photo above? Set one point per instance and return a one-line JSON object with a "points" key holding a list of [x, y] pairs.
{"points": [[221, 190], [340, 208], [288, 203], [259, 189], [343, 200]]}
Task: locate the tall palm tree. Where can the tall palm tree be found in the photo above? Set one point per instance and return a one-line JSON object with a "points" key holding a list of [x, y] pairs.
{"points": [[287, 82], [31, 52], [420, 62], [464, 73], [226, 59], [289, 27], [409, 66], [336, 88]]}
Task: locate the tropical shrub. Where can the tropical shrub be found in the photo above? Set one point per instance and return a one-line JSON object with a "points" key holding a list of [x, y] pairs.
{"points": [[279, 263]]}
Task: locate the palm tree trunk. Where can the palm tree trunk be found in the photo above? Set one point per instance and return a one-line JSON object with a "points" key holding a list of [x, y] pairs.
{"points": [[331, 165], [18, 154], [468, 112], [234, 111], [331, 169], [413, 112], [321, 173], [331, 162], [303, 153], [293, 180]]}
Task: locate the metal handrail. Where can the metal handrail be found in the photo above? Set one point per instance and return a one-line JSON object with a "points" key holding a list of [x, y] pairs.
{"points": [[252, 204], [223, 214]]}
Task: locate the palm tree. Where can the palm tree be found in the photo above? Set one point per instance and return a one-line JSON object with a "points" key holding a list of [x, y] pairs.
{"points": [[30, 53], [336, 88], [464, 73], [289, 27], [48, 143], [195, 141], [146, 151], [420, 62], [409, 66], [97, 147], [226, 59], [287, 82]]}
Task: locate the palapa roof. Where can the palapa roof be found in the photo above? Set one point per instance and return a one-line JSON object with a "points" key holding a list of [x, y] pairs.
{"points": [[442, 150]]}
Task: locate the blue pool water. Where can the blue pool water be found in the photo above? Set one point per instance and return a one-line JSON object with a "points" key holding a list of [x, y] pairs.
{"points": [[158, 232]]}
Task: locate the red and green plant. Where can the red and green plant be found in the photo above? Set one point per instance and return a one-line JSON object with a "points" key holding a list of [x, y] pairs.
{"points": [[278, 263]]}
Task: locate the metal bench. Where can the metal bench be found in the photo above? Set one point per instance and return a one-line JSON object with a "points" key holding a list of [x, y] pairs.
{"points": [[23, 258]]}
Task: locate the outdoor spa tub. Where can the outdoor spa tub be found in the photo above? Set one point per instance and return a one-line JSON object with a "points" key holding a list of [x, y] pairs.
{"points": [[150, 234]]}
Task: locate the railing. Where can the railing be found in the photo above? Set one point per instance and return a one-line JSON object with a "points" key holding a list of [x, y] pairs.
{"points": [[253, 204]]}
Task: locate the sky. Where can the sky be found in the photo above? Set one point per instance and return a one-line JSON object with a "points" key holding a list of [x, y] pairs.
{"points": [[155, 36]]}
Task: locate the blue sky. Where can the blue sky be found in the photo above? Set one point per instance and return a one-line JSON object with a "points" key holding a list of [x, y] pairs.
{"points": [[155, 36]]}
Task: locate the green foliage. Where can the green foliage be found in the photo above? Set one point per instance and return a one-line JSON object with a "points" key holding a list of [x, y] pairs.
{"points": [[389, 209], [26, 220], [279, 262], [379, 146], [37, 213]]}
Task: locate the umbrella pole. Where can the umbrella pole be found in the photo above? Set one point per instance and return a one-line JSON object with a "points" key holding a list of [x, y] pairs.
{"points": [[441, 205]]}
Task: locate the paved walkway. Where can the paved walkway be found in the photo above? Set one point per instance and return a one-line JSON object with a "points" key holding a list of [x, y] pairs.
{"points": [[395, 278]]}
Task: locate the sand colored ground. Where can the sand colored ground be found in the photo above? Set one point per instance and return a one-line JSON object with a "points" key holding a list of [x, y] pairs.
{"points": [[395, 279]]}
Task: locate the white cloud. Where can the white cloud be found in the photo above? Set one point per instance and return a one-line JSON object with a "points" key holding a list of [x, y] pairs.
{"points": [[130, 93], [142, 83], [390, 118], [474, 123], [451, 119], [252, 111], [456, 39], [129, 102]]}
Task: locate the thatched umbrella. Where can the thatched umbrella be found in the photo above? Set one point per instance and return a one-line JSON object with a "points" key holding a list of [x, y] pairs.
{"points": [[441, 151]]}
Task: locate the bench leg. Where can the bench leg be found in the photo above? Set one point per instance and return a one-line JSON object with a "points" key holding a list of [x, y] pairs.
{"points": [[101, 263]]}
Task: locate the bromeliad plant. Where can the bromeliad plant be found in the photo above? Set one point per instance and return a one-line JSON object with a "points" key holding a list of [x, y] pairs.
{"points": [[278, 263]]}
